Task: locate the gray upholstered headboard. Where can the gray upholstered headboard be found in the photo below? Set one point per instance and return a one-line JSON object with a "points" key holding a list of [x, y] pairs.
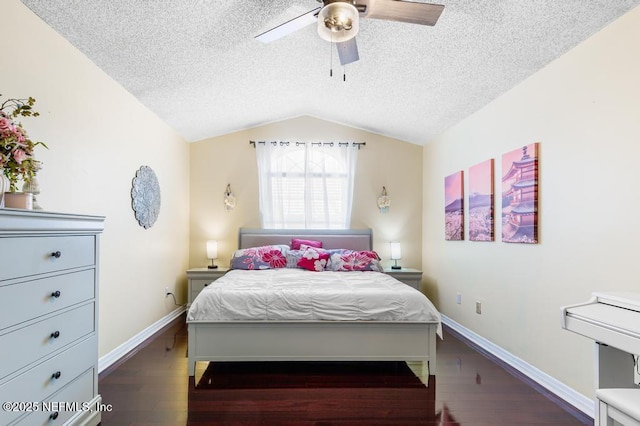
{"points": [[353, 239]]}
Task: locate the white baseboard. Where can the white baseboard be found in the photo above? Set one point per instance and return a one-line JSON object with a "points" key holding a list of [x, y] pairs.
{"points": [[558, 388], [107, 360]]}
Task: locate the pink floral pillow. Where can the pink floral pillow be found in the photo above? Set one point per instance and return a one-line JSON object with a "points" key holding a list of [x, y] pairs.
{"points": [[265, 257], [296, 243], [356, 261], [314, 259]]}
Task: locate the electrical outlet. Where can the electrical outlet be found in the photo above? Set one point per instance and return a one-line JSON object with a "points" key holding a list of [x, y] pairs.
{"points": [[478, 307], [166, 291], [459, 298]]}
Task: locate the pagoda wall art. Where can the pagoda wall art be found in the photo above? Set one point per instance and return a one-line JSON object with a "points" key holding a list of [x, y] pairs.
{"points": [[518, 203], [520, 195]]}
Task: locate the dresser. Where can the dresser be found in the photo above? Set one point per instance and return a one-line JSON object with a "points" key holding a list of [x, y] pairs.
{"points": [[409, 276], [49, 318], [199, 278]]}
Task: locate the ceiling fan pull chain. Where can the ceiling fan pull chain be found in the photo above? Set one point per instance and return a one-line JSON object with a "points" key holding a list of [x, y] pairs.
{"points": [[331, 57]]}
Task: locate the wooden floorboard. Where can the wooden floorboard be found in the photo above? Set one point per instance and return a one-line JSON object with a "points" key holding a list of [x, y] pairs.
{"points": [[152, 387]]}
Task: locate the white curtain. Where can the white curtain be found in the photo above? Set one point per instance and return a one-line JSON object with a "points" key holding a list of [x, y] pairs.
{"points": [[306, 186]]}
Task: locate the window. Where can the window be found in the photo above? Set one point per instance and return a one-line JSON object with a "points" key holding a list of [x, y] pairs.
{"points": [[306, 186]]}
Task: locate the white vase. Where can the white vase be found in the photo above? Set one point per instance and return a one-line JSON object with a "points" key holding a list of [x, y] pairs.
{"points": [[18, 200], [4, 187]]}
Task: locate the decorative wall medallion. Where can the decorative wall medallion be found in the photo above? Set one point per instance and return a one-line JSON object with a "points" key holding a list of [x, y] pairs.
{"points": [[145, 197]]}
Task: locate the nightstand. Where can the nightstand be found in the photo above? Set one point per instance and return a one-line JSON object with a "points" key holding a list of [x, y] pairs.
{"points": [[409, 276], [199, 278]]}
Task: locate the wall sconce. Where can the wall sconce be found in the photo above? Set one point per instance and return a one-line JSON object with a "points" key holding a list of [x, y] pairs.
{"points": [[229, 199], [384, 201], [212, 253], [396, 253]]}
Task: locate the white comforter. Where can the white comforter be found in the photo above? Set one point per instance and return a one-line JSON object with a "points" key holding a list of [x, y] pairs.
{"points": [[300, 295]]}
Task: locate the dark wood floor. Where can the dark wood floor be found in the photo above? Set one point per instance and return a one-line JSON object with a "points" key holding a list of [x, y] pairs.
{"points": [[152, 388]]}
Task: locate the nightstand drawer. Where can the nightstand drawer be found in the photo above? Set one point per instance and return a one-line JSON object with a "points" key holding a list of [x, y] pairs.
{"points": [[25, 300], [409, 276], [197, 286], [22, 257], [199, 278], [30, 343], [40, 382]]}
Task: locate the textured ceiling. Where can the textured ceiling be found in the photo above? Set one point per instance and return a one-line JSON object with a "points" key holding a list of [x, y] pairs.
{"points": [[196, 64]]}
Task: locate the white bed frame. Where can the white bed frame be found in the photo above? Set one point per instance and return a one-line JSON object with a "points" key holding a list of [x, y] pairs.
{"points": [[311, 340]]}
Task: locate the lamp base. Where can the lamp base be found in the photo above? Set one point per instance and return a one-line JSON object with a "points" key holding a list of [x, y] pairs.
{"points": [[212, 266], [396, 267]]}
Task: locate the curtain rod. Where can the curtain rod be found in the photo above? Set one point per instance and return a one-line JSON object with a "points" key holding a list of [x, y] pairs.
{"points": [[287, 143]]}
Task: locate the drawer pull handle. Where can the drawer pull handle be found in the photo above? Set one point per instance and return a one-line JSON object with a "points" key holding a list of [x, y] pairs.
{"points": [[55, 334], [56, 375], [54, 416], [56, 294], [56, 254]]}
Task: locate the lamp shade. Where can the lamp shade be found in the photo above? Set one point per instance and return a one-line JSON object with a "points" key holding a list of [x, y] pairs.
{"points": [[212, 249], [396, 252], [338, 22]]}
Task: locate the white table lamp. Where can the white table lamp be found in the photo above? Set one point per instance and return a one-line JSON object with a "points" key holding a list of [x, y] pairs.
{"points": [[212, 253], [396, 253]]}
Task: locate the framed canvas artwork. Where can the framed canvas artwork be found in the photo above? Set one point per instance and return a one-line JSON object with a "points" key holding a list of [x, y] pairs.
{"points": [[480, 205], [454, 207], [520, 195]]}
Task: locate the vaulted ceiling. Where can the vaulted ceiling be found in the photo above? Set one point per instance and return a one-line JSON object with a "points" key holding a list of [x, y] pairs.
{"points": [[196, 64]]}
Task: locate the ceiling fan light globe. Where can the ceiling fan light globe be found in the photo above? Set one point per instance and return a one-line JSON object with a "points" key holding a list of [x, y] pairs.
{"points": [[338, 22]]}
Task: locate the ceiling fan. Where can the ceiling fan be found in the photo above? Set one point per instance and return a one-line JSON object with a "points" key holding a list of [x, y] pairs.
{"points": [[339, 20]]}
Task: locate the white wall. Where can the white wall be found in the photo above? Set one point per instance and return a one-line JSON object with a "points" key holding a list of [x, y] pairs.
{"points": [[231, 160], [98, 136], [584, 110]]}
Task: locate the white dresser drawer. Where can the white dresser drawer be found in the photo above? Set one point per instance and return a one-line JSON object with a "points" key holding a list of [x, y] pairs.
{"points": [[39, 383], [74, 394], [27, 256], [38, 339], [25, 300]]}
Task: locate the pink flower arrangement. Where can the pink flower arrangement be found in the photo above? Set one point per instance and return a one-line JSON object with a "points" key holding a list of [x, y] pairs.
{"points": [[16, 148]]}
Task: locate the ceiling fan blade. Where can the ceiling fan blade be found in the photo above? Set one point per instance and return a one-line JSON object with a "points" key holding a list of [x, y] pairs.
{"points": [[348, 51], [404, 11], [290, 26]]}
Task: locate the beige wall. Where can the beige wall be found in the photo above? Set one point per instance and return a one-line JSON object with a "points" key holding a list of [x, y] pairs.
{"points": [[231, 160], [584, 110], [98, 136]]}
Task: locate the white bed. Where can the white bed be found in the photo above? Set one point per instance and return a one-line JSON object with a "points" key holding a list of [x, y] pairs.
{"points": [[405, 333]]}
